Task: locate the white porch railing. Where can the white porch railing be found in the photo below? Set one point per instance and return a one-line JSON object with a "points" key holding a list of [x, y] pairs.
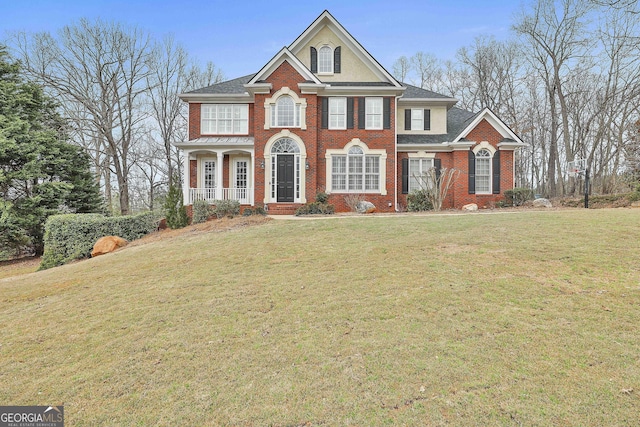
{"points": [[243, 195]]}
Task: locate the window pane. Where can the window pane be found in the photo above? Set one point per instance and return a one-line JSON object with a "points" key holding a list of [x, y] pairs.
{"points": [[209, 167], [417, 117], [325, 60], [372, 172], [339, 172], [483, 171], [285, 111], [337, 113], [373, 109]]}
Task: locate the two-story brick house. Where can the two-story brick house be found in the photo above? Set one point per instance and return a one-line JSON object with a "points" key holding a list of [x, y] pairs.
{"points": [[324, 115]]}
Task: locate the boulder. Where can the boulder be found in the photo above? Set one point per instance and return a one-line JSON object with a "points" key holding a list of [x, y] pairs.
{"points": [[365, 207], [470, 207], [107, 244], [542, 203]]}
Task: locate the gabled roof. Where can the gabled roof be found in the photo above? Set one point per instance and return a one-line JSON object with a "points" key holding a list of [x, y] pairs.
{"points": [[326, 19], [280, 57], [498, 125]]}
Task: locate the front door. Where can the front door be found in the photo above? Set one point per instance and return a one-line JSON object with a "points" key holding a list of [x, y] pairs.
{"points": [[286, 177]]}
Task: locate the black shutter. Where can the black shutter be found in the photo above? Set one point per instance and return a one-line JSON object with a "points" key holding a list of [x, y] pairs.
{"points": [[324, 118], [350, 113], [405, 176], [427, 119], [472, 172], [407, 119], [336, 60], [437, 163], [361, 113], [386, 113], [314, 60], [496, 172]]}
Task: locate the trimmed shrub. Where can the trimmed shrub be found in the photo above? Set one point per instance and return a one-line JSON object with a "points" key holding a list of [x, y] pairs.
{"points": [[201, 211], [72, 236], [322, 197], [247, 212], [517, 196], [259, 210], [228, 208], [635, 196], [418, 201], [315, 208]]}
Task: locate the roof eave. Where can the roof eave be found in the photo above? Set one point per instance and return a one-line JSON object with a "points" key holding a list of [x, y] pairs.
{"points": [[216, 97]]}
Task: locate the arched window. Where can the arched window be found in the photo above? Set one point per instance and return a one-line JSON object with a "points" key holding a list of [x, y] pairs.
{"points": [[286, 113], [483, 172], [325, 60]]}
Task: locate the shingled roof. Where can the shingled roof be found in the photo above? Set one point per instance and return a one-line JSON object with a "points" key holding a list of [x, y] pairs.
{"points": [[230, 87], [414, 92]]}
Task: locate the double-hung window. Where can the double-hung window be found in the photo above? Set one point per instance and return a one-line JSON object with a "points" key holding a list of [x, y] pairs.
{"points": [[337, 113], [419, 176], [224, 119], [483, 172], [417, 119], [373, 112]]}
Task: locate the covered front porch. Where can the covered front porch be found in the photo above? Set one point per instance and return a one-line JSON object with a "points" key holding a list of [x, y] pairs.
{"points": [[219, 169]]}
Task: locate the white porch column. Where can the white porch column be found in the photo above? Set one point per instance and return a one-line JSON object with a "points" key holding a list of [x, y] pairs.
{"points": [[186, 179], [219, 174]]}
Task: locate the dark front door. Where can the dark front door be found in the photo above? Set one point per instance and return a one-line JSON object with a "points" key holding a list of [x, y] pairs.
{"points": [[286, 177]]}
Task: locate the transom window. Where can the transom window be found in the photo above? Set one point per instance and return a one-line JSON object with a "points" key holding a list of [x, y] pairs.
{"points": [[286, 113], [337, 113], [224, 119], [373, 111], [356, 171], [419, 173], [483, 171], [325, 60]]}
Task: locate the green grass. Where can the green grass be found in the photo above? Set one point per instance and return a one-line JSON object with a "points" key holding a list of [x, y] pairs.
{"points": [[526, 318]]}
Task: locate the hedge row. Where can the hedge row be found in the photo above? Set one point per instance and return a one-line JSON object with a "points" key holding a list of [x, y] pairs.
{"points": [[70, 237]]}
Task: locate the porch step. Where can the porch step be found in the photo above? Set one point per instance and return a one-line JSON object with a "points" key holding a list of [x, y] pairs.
{"points": [[283, 208]]}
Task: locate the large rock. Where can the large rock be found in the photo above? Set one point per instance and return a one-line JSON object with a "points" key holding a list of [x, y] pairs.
{"points": [[107, 244], [542, 203], [470, 207], [365, 207]]}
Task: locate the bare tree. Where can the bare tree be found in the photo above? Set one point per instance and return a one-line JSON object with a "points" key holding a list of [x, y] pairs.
{"points": [[428, 70], [102, 67], [401, 68]]}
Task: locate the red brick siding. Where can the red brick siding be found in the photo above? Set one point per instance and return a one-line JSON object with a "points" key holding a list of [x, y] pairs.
{"points": [[193, 173], [458, 195]]}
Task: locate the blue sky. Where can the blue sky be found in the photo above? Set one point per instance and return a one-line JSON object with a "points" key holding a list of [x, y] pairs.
{"points": [[241, 36]]}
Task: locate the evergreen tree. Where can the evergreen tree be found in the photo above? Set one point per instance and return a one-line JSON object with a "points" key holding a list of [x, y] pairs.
{"points": [[174, 209], [41, 174]]}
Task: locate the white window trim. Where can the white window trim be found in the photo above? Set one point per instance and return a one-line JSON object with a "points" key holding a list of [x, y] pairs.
{"points": [[382, 177], [367, 102], [270, 103], [331, 58], [421, 118], [484, 145], [420, 155], [344, 115], [244, 131]]}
